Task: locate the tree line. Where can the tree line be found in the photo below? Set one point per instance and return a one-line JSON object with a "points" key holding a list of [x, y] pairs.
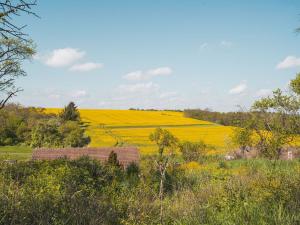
{"points": [[223, 118], [33, 127]]}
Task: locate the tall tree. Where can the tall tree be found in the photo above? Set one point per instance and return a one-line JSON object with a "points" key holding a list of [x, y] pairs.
{"points": [[15, 46], [274, 123], [164, 140], [70, 113]]}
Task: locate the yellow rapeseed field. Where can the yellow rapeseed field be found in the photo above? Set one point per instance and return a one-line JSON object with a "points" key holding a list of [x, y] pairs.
{"points": [[130, 127]]}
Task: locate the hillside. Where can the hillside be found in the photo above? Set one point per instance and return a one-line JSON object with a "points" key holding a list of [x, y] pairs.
{"points": [[130, 127]]}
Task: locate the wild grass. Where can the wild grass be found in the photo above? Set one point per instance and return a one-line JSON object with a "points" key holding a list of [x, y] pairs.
{"points": [[15, 152]]}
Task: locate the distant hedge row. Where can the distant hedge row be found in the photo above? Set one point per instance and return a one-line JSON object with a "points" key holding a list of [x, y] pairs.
{"points": [[226, 119]]}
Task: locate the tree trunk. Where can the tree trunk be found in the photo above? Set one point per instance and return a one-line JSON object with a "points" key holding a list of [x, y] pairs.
{"points": [[161, 191]]}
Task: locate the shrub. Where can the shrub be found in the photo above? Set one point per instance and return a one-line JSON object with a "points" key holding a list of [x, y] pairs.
{"points": [[73, 135], [192, 151], [46, 134]]}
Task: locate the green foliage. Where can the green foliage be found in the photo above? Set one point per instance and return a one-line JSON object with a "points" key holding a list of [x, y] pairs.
{"points": [[192, 151], [223, 165], [13, 53], [53, 133], [295, 84], [70, 113], [31, 126], [85, 191], [17, 123], [243, 138], [20, 152], [73, 134], [46, 134], [113, 159], [274, 124], [227, 119], [58, 192], [164, 139]]}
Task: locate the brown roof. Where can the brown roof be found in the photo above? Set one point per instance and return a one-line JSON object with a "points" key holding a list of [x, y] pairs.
{"points": [[125, 155]]}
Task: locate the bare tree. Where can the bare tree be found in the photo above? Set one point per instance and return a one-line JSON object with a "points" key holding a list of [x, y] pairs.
{"points": [[15, 46]]}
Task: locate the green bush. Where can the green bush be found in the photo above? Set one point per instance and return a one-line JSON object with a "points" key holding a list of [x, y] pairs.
{"points": [[192, 151], [85, 191]]}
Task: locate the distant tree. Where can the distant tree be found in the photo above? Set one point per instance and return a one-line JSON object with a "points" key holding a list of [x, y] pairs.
{"points": [[192, 151], [46, 134], [73, 134], [53, 133], [243, 138], [164, 140], [70, 113], [17, 122], [15, 46], [113, 159]]}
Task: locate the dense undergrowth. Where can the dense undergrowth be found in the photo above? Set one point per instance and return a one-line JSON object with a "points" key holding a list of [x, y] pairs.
{"points": [[87, 192]]}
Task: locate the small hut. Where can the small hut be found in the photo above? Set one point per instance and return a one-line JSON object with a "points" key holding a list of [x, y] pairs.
{"points": [[125, 155]]}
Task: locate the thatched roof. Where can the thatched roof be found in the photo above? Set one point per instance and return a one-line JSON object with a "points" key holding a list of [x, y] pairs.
{"points": [[125, 155]]}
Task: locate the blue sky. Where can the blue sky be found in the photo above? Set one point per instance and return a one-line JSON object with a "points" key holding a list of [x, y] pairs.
{"points": [[160, 53]]}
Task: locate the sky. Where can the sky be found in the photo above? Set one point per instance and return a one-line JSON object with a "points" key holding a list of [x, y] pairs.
{"points": [[162, 54]]}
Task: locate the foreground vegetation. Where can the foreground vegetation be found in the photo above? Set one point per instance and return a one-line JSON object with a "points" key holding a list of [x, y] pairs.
{"points": [[87, 192]]}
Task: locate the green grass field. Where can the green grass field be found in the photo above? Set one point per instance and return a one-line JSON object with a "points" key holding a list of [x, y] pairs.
{"points": [[15, 152]]}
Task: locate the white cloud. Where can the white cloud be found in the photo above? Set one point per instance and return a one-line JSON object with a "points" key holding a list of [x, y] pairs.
{"points": [[86, 67], [63, 57], [136, 75], [239, 89], [204, 45], [289, 62], [79, 94], [263, 92], [143, 88], [168, 94], [226, 44], [160, 71], [140, 75], [54, 96]]}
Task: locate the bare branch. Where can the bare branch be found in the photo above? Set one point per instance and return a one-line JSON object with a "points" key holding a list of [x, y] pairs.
{"points": [[8, 97]]}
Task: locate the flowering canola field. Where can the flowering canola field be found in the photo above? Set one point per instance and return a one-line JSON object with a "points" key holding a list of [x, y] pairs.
{"points": [[131, 127]]}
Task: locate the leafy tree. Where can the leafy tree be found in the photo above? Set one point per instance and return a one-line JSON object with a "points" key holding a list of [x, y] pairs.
{"points": [[227, 119], [192, 151], [274, 123], [243, 138], [15, 46], [70, 112], [17, 122], [113, 159], [73, 135], [295, 84], [26, 125], [46, 134], [164, 140]]}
